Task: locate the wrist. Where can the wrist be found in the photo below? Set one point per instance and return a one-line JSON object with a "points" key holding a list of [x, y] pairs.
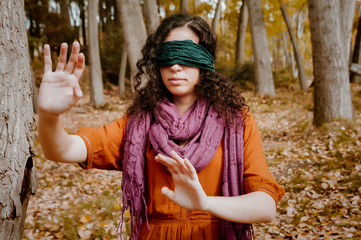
{"points": [[48, 117], [208, 204]]}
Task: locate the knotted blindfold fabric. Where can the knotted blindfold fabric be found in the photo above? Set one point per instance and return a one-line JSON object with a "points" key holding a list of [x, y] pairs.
{"points": [[187, 53]]}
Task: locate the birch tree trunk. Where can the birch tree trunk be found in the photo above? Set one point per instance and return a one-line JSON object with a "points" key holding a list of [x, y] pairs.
{"points": [[262, 59], [96, 79], [301, 73], [217, 16], [184, 6], [17, 172], [332, 94], [241, 35], [151, 14], [134, 32]]}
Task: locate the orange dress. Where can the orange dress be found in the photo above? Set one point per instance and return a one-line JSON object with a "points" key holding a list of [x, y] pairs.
{"points": [[167, 220]]}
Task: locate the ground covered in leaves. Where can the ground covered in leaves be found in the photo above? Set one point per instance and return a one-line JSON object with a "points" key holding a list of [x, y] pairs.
{"points": [[320, 169]]}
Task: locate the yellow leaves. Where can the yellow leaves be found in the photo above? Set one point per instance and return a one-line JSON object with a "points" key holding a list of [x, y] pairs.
{"points": [[86, 218], [117, 206], [323, 188]]}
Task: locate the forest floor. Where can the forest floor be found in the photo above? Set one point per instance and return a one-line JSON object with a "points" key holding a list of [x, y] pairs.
{"points": [[320, 169]]}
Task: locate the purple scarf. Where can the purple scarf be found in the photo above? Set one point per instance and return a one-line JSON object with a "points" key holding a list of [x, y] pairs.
{"points": [[205, 130]]}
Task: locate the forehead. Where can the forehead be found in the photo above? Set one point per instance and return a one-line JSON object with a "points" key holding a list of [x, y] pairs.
{"points": [[182, 33]]}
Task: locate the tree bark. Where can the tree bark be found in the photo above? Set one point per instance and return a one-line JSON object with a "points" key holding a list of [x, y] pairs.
{"points": [[96, 80], [332, 94], [301, 73], [241, 35], [122, 70], [17, 173], [217, 16], [151, 14], [134, 32], [262, 60], [184, 6]]}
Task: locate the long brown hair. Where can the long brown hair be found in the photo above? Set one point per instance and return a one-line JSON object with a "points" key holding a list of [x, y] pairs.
{"points": [[221, 92]]}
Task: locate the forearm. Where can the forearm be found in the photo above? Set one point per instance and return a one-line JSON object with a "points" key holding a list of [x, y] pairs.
{"points": [[249, 208], [57, 144]]}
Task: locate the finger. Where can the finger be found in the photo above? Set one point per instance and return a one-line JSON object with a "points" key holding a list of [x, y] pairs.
{"points": [[190, 166], [80, 65], [170, 163], [62, 57], [168, 193], [179, 160], [77, 91], [47, 59], [73, 58]]}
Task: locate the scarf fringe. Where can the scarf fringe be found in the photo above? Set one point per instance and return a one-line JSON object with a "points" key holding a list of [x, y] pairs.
{"points": [[136, 216], [248, 233]]}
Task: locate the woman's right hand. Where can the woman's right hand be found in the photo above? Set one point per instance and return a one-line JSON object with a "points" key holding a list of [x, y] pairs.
{"points": [[60, 90]]}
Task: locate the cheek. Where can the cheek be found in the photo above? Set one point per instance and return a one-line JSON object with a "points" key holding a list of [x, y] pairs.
{"points": [[195, 76]]}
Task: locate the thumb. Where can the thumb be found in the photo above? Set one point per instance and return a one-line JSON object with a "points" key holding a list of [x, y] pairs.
{"points": [[168, 193], [77, 91]]}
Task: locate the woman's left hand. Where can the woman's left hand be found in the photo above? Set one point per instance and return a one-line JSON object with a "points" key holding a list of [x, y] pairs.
{"points": [[188, 192]]}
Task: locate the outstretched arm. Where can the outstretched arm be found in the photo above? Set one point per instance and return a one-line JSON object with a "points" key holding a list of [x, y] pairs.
{"points": [[59, 91], [188, 193]]}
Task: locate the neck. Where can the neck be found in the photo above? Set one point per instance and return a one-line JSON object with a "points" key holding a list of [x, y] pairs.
{"points": [[183, 103]]}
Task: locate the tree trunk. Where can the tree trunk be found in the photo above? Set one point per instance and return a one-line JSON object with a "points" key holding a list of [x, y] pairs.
{"points": [[184, 6], [285, 49], [241, 35], [96, 80], [17, 173], [293, 65], [356, 58], [151, 14], [82, 17], [134, 32], [262, 60], [347, 12], [35, 92], [217, 16], [301, 73], [332, 94], [64, 11], [122, 70]]}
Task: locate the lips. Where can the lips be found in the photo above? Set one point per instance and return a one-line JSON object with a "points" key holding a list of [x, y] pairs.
{"points": [[176, 80]]}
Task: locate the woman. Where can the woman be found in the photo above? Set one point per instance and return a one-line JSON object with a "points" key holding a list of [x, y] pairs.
{"points": [[190, 151]]}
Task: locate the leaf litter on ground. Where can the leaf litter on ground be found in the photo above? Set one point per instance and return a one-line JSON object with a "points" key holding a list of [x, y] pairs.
{"points": [[320, 169]]}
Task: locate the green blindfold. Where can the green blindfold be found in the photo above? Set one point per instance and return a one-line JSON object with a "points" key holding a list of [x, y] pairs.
{"points": [[187, 53]]}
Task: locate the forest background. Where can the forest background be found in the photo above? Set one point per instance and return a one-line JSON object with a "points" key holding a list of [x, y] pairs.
{"points": [[320, 167]]}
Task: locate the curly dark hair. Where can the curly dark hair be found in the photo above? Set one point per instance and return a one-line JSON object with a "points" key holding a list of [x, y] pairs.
{"points": [[213, 86]]}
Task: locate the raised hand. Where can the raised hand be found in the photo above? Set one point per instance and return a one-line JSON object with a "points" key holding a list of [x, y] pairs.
{"points": [[188, 192], [59, 90]]}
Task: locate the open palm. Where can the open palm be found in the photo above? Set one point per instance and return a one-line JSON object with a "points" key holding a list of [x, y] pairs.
{"points": [[59, 90], [188, 192]]}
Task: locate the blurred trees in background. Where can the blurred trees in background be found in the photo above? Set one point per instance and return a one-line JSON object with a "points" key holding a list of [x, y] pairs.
{"points": [[277, 59]]}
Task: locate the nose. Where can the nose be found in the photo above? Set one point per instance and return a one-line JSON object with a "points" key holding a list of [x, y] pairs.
{"points": [[176, 68]]}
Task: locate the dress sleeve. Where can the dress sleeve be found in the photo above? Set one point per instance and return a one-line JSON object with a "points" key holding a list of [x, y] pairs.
{"points": [[105, 146], [257, 176]]}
